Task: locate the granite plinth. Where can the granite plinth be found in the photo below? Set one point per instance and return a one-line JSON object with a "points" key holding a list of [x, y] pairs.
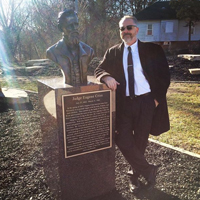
{"points": [[83, 176]]}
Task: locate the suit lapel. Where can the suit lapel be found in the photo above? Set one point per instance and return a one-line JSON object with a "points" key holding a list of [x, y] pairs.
{"points": [[142, 54], [142, 48], [82, 52]]}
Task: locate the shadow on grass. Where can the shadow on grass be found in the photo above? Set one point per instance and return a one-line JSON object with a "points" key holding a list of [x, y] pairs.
{"points": [[3, 105], [113, 195], [24, 106], [155, 194]]}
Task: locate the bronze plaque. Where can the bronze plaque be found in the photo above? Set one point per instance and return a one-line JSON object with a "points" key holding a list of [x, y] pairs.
{"points": [[87, 122]]}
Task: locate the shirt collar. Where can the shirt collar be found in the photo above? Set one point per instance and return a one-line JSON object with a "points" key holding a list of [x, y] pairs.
{"points": [[133, 46]]}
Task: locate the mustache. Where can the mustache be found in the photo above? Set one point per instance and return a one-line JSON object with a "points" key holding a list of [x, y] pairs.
{"points": [[126, 34], [74, 33]]}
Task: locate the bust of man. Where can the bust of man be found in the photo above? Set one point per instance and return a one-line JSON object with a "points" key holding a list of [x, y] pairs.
{"points": [[69, 53]]}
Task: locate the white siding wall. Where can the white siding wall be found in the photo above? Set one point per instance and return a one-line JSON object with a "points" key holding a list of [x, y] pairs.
{"points": [[183, 32], [180, 33], [142, 35], [169, 30]]}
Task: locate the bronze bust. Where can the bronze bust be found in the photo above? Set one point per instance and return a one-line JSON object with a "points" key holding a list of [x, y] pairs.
{"points": [[69, 53]]}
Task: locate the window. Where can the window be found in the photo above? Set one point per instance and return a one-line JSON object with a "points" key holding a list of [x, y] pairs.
{"points": [[149, 29]]}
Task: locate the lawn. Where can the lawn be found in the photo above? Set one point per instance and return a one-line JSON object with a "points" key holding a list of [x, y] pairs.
{"points": [[24, 83], [184, 112]]}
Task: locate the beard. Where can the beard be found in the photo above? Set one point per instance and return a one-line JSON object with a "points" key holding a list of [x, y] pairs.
{"points": [[127, 37], [72, 39]]}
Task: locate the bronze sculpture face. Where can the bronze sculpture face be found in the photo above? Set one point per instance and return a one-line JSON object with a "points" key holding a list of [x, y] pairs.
{"points": [[70, 54], [68, 24]]}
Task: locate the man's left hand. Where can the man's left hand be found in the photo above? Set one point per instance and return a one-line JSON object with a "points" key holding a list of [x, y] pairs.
{"points": [[156, 102]]}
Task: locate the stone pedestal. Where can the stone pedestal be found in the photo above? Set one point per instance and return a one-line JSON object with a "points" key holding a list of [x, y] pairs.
{"points": [[79, 154]]}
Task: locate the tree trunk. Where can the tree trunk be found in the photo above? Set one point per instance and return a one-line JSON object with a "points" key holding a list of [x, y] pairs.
{"points": [[189, 34]]}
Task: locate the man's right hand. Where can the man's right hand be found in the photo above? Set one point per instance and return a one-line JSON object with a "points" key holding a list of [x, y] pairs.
{"points": [[110, 82]]}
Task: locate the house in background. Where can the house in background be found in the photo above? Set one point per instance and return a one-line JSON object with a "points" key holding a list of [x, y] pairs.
{"points": [[158, 23]]}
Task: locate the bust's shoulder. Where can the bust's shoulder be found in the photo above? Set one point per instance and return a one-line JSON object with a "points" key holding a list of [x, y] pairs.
{"points": [[55, 46]]}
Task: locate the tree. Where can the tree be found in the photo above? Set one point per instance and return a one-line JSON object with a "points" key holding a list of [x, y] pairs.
{"points": [[187, 10], [30, 27], [12, 21], [102, 25], [42, 29]]}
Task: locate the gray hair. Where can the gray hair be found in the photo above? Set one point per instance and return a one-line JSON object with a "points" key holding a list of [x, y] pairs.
{"points": [[63, 14], [129, 17]]}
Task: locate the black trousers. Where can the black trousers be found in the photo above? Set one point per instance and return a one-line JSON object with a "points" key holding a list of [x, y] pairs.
{"points": [[134, 132]]}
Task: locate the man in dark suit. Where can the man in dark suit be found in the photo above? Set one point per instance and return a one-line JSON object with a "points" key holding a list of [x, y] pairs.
{"points": [[70, 54], [141, 106]]}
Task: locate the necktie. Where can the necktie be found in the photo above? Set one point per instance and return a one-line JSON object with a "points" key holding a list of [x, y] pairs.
{"points": [[130, 73]]}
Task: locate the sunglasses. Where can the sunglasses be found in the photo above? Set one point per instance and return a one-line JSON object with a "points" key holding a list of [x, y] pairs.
{"points": [[129, 27]]}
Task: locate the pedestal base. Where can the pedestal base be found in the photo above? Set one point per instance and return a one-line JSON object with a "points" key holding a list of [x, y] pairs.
{"points": [[79, 177]]}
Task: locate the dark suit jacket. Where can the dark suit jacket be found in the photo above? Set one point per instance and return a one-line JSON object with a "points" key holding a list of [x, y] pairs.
{"points": [[156, 71], [60, 54]]}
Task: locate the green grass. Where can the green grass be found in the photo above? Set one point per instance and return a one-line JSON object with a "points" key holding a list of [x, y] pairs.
{"points": [[24, 84], [184, 112]]}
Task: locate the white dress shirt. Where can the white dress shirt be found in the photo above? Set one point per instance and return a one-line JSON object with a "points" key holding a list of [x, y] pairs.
{"points": [[141, 84]]}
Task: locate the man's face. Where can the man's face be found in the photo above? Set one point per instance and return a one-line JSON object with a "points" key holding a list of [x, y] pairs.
{"points": [[128, 36], [70, 29]]}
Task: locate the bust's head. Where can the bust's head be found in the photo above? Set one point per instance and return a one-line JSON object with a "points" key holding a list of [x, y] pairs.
{"points": [[67, 19], [68, 25]]}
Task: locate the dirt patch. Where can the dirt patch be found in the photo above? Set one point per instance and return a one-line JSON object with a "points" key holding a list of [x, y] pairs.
{"points": [[180, 70]]}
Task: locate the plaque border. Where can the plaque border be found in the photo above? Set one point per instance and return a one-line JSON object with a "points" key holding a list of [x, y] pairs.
{"points": [[64, 124]]}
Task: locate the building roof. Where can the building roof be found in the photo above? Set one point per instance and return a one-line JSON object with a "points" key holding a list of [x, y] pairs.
{"points": [[157, 11]]}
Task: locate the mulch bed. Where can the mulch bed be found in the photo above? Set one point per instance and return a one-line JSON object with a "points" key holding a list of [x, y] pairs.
{"points": [[180, 70], [21, 169]]}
